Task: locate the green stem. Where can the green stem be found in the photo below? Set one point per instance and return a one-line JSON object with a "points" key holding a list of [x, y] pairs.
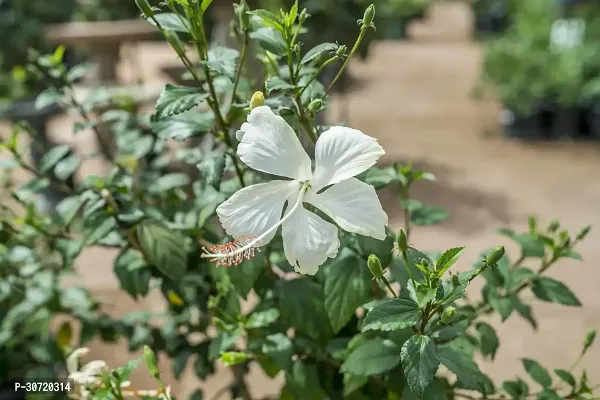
{"points": [[409, 269], [321, 68], [238, 74], [363, 31], [390, 288], [405, 196]]}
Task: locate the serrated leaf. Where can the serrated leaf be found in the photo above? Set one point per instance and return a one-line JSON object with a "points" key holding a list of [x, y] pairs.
{"points": [[276, 83], [516, 389], [262, 319], [183, 126], [435, 391], [318, 50], [550, 290], [488, 339], [169, 182], [301, 302], [566, 376], [177, 99], [222, 60], [171, 22], [372, 357], [271, 40], [67, 167], [380, 177], [420, 363], [468, 373], [47, 98], [269, 19], [448, 259], [280, 348], [164, 248], [537, 372], [212, 169], [392, 315], [243, 279], [100, 231], [347, 286], [53, 156]]}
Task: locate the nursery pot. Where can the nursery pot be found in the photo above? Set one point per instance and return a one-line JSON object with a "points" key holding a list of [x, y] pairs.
{"points": [[565, 122], [530, 127]]}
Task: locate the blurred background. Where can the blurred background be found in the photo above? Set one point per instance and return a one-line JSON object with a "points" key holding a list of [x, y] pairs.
{"points": [[500, 99]]}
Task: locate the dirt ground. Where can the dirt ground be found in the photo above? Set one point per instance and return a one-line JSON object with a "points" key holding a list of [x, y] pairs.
{"points": [[414, 96]]}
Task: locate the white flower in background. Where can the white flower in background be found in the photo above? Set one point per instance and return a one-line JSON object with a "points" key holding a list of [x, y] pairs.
{"points": [[253, 214], [87, 375]]}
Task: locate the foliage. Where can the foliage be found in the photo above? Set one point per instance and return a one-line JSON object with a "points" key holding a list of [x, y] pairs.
{"points": [[342, 333]]}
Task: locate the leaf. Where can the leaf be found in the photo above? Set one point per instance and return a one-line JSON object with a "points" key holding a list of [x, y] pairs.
{"points": [[301, 302], [548, 289], [262, 319], [276, 83], [243, 279], [531, 246], [435, 391], [380, 177], [428, 215], [448, 259], [303, 382], [269, 19], [319, 50], [67, 167], [223, 342], [164, 248], [222, 60], [420, 363], [488, 339], [169, 182], [100, 231], [347, 286], [502, 305], [279, 347], [517, 389], [177, 99], [184, 126], [133, 277], [372, 357], [79, 71], [53, 156], [468, 373], [381, 248], [537, 372], [271, 40], [392, 315], [566, 376], [212, 169], [47, 98], [353, 382], [171, 22]]}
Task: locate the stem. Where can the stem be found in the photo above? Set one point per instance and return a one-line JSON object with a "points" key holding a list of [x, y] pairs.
{"points": [[321, 68], [410, 274], [238, 73], [254, 242], [238, 170], [405, 196], [363, 31], [390, 288]]}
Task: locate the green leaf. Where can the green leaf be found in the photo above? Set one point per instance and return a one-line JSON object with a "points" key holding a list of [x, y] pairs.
{"points": [[420, 363], [531, 246], [448, 259], [380, 177], [548, 395], [347, 286], [171, 22], [524, 310], [177, 99], [303, 382], [372, 357], [271, 40], [262, 319], [301, 302], [428, 215], [353, 382], [279, 347], [67, 167], [222, 60], [212, 169], [276, 83], [169, 182], [53, 156], [205, 4], [184, 126], [537, 372], [381, 248], [319, 50], [269, 19], [488, 339], [132, 276], [47, 98], [100, 231], [223, 342], [516, 389], [566, 376], [392, 315], [502, 305], [468, 373], [435, 391], [243, 279], [548, 289], [164, 248]]}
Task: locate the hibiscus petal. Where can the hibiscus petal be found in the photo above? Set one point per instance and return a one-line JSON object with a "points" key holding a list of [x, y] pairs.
{"points": [[354, 206], [308, 241], [251, 211], [269, 144], [342, 153], [73, 359]]}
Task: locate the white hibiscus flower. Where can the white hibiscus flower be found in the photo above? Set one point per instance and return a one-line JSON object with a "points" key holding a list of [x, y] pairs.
{"points": [[253, 214]]}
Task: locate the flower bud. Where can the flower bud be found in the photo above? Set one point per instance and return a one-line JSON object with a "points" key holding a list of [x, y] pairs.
{"points": [[554, 226], [495, 256], [257, 100], [151, 362], [369, 16], [589, 339], [375, 266], [584, 231], [144, 7], [455, 281], [233, 358], [341, 51], [241, 11], [402, 241], [175, 42], [315, 105], [303, 16], [175, 299], [448, 315]]}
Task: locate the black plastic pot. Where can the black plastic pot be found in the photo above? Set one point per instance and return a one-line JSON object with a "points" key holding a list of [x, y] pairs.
{"points": [[527, 127]]}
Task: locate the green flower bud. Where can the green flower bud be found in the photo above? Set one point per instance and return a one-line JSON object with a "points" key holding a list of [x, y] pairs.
{"points": [[241, 11], [448, 315], [402, 241], [341, 51], [175, 42], [151, 362], [315, 105], [584, 231], [303, 16], [144, 7], [495, 256], [375, 266], [257, 100], [554, 226], [455, 281], [589, 340], [233, 358], [369, 16]]}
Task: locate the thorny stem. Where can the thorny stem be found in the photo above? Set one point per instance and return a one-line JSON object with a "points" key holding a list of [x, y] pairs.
{"points": [[258, 240]]}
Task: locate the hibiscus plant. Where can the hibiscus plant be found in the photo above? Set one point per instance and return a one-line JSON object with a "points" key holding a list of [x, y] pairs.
{"points": [[335, 303]]}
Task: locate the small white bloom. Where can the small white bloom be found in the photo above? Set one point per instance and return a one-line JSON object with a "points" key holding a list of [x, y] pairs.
{"points": [[253, 214], [87, 375]]}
